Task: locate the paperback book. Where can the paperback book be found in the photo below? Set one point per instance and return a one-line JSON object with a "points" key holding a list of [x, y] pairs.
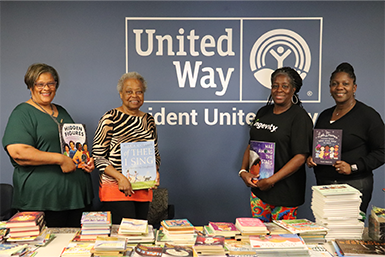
{"points": [[177, 225], [96, 218], [73, 140], [298, 226], [170, 250], [133, 226], [250, 226], [139, 163], [147, 251], [261, 158], [335, 189], [226, 229], [327, 146], [286, 241]]}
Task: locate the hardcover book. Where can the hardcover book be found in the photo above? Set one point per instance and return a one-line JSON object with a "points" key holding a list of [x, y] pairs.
{"points": [[298, 226], [327, 146], [361, 247], [25, 219], [139, 163], [73, 140], [261, 158], [209, 242]]}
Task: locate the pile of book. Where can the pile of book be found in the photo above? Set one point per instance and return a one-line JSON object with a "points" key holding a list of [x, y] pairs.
{"points": [[177, 232], [337, 207], [357, 248], [77, 249], [279, 245], [377, 224], [135, 231], [25, 226], [95, 224], [109, 246], [251, 226], [226, 229], [309, 231], [209, 245]]}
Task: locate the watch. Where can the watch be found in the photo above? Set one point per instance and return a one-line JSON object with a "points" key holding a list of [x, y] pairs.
{"points": [[353, 167]]}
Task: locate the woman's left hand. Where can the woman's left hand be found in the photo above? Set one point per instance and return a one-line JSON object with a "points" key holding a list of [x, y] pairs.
{"points": [[265, 184], [342, 167], [90, 166]]}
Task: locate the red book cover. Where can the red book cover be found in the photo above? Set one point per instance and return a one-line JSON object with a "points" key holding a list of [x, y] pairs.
{"points": [[25, 219]]}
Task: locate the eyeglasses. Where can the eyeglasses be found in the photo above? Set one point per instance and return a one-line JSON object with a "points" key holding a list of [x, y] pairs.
{"points": [[40, 86]]}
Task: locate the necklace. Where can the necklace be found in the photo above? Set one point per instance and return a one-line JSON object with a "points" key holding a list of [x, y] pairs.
{"points": [[338, 113], [43, 108]]}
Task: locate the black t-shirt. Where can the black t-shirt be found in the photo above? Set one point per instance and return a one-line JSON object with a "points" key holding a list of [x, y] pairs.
{"points": [[291, 131]]}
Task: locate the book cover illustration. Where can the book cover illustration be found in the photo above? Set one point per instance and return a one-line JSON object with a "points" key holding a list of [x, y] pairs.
{"points": [[177, 250], [133, 226], [261, 158], [327, 146], [147, 251], [361, 247], [98, 217], [335, 189], [177, 224], [277, 241], [25, 218], [223, 226], [139, 163], [73, 140], [300, 226], [207, 240]]}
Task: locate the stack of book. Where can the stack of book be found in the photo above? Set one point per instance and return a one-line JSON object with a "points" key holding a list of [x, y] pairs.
{"points": [[337, 207], [279, 245], [209, 245], [95, 224], [226, 229], [135, 231], [308, 230], [25, 226], [251, 226], [377, 224], [109, 246], [176, 231], [274, 229]]}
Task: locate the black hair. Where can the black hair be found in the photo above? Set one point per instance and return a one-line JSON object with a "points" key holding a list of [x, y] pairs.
{"points": [[347, 68]]}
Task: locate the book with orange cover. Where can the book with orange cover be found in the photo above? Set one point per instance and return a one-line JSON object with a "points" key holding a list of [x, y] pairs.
{"points": [[25, 219]]}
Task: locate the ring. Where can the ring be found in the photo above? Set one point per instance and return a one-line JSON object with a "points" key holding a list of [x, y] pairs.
{"points": [[338, 169]]}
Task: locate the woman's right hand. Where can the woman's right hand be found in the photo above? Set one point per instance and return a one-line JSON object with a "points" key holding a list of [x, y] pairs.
{"points": [[67, 165], [125, 185], [249, 179], [310, 163]]}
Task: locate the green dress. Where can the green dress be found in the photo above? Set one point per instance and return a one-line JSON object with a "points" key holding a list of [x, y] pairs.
{"points": [[44, 187]]}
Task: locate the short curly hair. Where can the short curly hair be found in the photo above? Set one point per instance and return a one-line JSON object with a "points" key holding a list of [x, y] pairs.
{"points": [[131, 75]]}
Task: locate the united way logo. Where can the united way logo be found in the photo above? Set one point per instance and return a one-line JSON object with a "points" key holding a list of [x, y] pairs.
{"points": [[279, 44]]}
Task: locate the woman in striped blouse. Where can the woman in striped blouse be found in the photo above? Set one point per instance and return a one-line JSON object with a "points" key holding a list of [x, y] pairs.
{"points": [[121, 125]]}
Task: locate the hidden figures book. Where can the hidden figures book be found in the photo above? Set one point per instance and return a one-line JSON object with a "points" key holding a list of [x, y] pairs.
{"points": [[139, 163], [73, 141]]}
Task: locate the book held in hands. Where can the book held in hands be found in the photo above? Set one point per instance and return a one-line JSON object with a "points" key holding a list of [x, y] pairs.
{"points": [[139, 163], [327, 145], [261, 158], [73, 140]]}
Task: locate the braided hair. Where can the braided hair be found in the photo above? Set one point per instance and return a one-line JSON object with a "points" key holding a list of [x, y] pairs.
{"points": [[295, 81]]}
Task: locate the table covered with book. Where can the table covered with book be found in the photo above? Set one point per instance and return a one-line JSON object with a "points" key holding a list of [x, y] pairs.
{"points": [[26, 235]]}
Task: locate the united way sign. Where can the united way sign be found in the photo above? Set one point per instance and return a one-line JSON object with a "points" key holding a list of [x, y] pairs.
{"points": [[224, 60]]}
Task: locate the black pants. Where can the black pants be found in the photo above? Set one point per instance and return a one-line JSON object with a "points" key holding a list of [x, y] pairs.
{"points": [[126, 209], [364, 185]]}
